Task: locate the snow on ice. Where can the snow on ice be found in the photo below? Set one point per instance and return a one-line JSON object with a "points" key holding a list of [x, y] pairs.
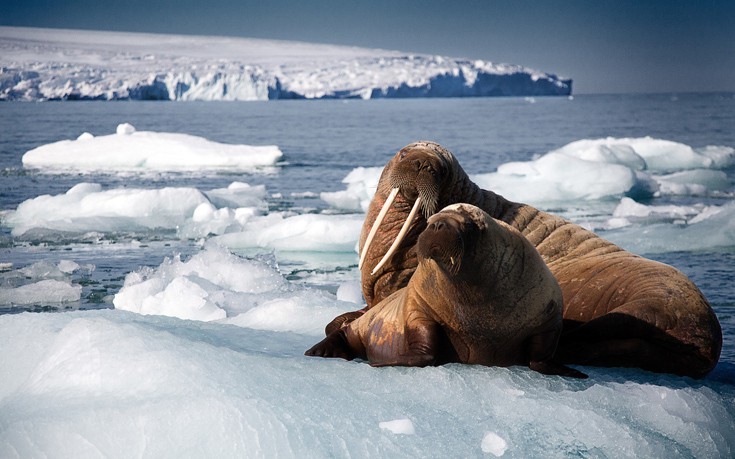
{"points": [[494, 444], [398, 426]]}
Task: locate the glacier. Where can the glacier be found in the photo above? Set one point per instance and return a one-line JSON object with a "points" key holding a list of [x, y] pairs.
{"points": [[57, 64]]}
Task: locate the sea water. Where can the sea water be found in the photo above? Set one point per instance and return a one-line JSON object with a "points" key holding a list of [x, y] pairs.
{"points": [[261, 259]]}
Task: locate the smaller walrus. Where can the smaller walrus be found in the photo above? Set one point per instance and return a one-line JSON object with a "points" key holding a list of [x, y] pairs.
{"points": [[481, 294]]}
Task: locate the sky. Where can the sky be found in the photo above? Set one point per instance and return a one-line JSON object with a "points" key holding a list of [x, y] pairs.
{"points": [[605, 46]]}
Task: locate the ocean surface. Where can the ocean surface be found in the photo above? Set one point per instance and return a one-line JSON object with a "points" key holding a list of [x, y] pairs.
{"points": [[322, 142]]}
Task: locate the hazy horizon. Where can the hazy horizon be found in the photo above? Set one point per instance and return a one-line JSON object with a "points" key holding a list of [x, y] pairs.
{"points": [[604, 47]]}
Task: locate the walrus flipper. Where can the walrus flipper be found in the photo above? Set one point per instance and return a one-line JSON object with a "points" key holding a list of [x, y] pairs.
{"points": [[333, 346], [342, 321], [423, 346]]}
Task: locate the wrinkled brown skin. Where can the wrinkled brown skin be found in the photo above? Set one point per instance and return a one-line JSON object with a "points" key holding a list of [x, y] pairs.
{"points": [[481, 294], [620, 309]]}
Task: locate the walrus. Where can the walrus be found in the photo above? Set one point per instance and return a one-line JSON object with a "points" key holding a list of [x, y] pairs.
{"points": [[620, 309], [480, 294]]}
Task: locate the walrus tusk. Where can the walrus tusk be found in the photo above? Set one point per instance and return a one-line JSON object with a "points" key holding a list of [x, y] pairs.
{"points": [[400, 236], [376, 224]]}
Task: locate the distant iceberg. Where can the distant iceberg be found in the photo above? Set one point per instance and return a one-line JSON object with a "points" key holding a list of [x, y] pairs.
{"points": [[54, 64]]}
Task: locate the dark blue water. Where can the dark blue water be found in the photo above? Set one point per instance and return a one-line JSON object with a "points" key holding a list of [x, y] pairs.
{"points": [[323, 141]]}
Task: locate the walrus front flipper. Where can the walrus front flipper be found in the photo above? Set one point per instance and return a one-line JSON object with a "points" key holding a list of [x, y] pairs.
{"points": [[423, 342], [335, 345], [342, 320]]}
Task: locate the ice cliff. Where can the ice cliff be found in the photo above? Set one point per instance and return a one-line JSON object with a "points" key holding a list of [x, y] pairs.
{"points": [[55, 64]]}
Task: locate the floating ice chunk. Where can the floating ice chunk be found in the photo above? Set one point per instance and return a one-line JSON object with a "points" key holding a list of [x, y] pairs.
{"points": [[586, 169], [494, 444], [183, 297], [610, 151], [207, 220], [722, 157], [307, 232], [49, 291], [86, 207], [41, 283], [629, 208], [131, 150], [68, 266], [85, 136], [350, 291], [398, 426], [217, 285], [558, 177], [212, 279], [695, 182], [45, 269], [658, 154], [361, 185], [125, 129], [713, 227], [238, 194]]}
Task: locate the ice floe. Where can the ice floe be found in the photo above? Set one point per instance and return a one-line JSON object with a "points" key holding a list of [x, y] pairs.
{"points": [[132, 150], [42, 282], [114, 384]]}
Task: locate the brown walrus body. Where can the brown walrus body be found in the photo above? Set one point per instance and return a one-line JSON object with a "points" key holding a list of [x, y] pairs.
{"points": [[481, 294], [620, 309]]}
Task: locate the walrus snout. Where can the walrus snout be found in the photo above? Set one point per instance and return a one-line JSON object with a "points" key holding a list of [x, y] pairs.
{"points": [[443, 241], [419, 173]]}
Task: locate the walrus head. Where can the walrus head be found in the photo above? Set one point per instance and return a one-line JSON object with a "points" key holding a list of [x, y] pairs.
{"points": [[419, 172], [446, 238], [451, 235]]}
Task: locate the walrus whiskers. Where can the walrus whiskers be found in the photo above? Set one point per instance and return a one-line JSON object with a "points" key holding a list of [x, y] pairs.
{"points": [[400, 236], [376, 225]]}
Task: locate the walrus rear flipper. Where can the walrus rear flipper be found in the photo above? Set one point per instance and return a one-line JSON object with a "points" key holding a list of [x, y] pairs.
{"points": [[621, 340]]}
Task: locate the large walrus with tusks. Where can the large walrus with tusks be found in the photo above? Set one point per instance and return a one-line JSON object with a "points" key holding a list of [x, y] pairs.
{"points": [[481, 294], [620, 309]]}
